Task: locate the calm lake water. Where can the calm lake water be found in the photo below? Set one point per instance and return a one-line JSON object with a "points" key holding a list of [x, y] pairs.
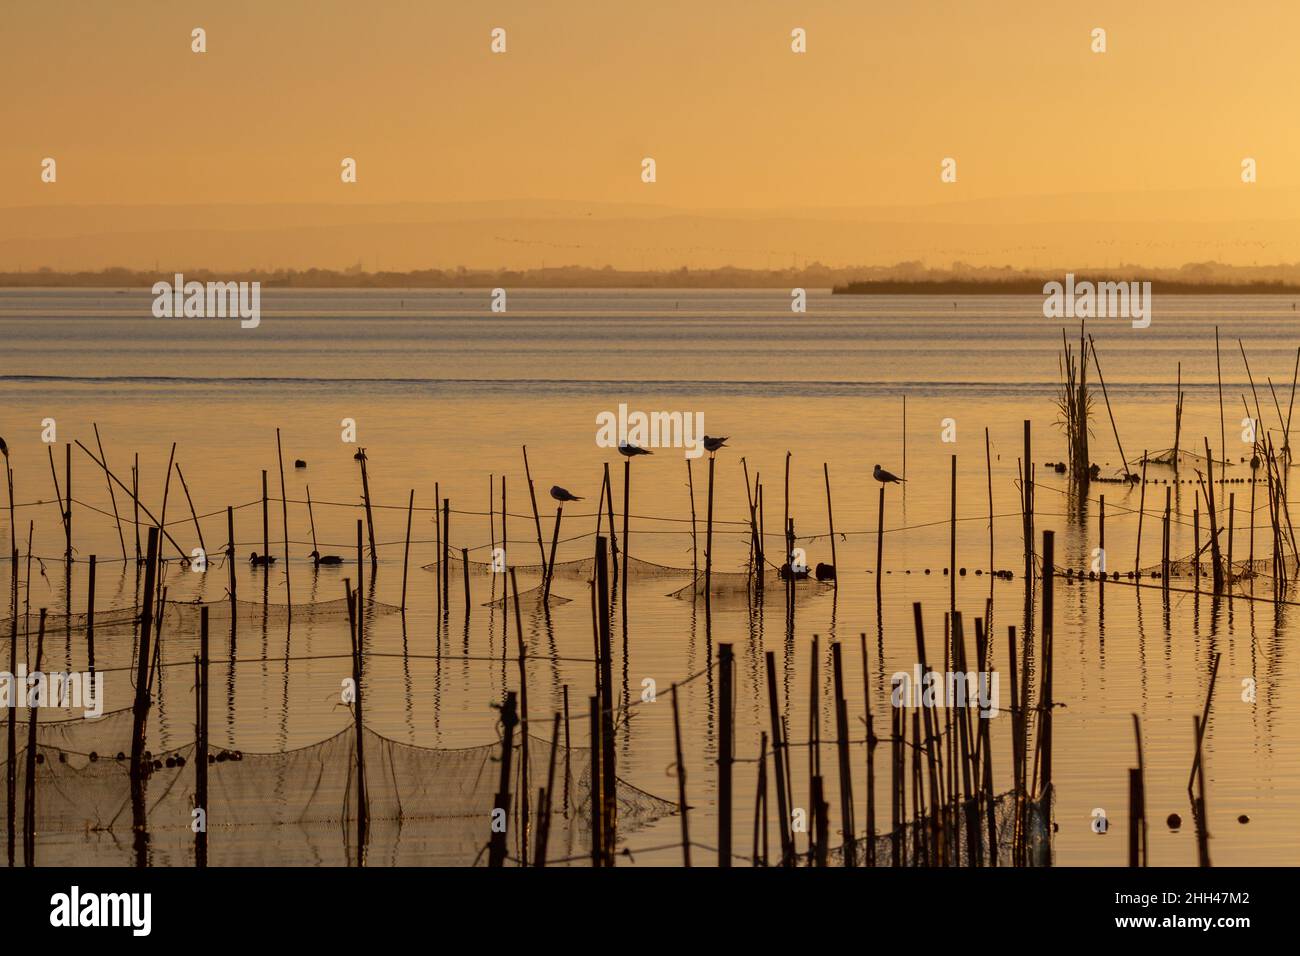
{"points": [[444, 390]]}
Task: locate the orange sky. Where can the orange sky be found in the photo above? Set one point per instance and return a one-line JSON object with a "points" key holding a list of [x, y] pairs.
{"points": [[711, 90]]}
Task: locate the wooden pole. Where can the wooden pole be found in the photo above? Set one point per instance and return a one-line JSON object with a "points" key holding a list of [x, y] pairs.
{"points": [[1139, 826], [134, 492], [266, 523], [952, 543], [609, 814], [725, 746], [682, 808], [525, 785], [613, 535], [284, 518], [537, 521], [830, 518], [406, 552], [549, 569], [871, 757], [845, 766], [90, 617], [501, 803], [311, 519], [112, 495], [140, 714], [545, 797], [880, 546], [464, 566], [595, 776], [440, 557], [193, 516], [1218, 374], [778, 760], [1106, 395], [370, 518], [29, 782], [1232, 512], [355, 615], [1142, 505], [446, 549], [201, 739], [1203, 721], [760, 805], [67, 518], [1045, 732], [708, 538], [627, 506], [1027, 480], [1198, 801], [695, 550], [11, 763]]}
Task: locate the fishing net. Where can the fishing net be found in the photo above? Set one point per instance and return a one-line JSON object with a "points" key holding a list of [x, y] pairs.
{"points": [[916, 839], [183, 616], [1180, 459], [427, 806], [580, 569], [735, 588]]}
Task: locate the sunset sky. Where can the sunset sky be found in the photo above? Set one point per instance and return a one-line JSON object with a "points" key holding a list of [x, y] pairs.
{"points": [[712, 91]]}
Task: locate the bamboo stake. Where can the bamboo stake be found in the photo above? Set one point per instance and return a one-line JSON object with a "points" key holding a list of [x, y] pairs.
{"points": [[446, 558], [845, 767], [1198, 802], [1106, 395], [1142, 504], [112, 495], [266, 524], [29, 782], [550, 564], [67, 466], [1138, 853], [370, 517], [830, 518], [725, 743], [406, 551], [596, 777], [523, 712], [760, 805], [194, 517], [90, 617], [201, 739], [354, 632], [778, 760], [1203, 721], [871, 758], [284, 518], [464, 565], [440, 558], [680, 764], [544, 801], [695, 551], [501, 802], [532, 496], [880, 546], [708, 538]]}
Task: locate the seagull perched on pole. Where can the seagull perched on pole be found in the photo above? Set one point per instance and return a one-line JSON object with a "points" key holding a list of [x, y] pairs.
{"points": [[885, 477], [563, 494], [628, 450], [713, 444]]}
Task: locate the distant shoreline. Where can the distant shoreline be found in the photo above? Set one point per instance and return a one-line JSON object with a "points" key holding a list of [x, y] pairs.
{"points": [[839, 281], [1035, 287]]}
